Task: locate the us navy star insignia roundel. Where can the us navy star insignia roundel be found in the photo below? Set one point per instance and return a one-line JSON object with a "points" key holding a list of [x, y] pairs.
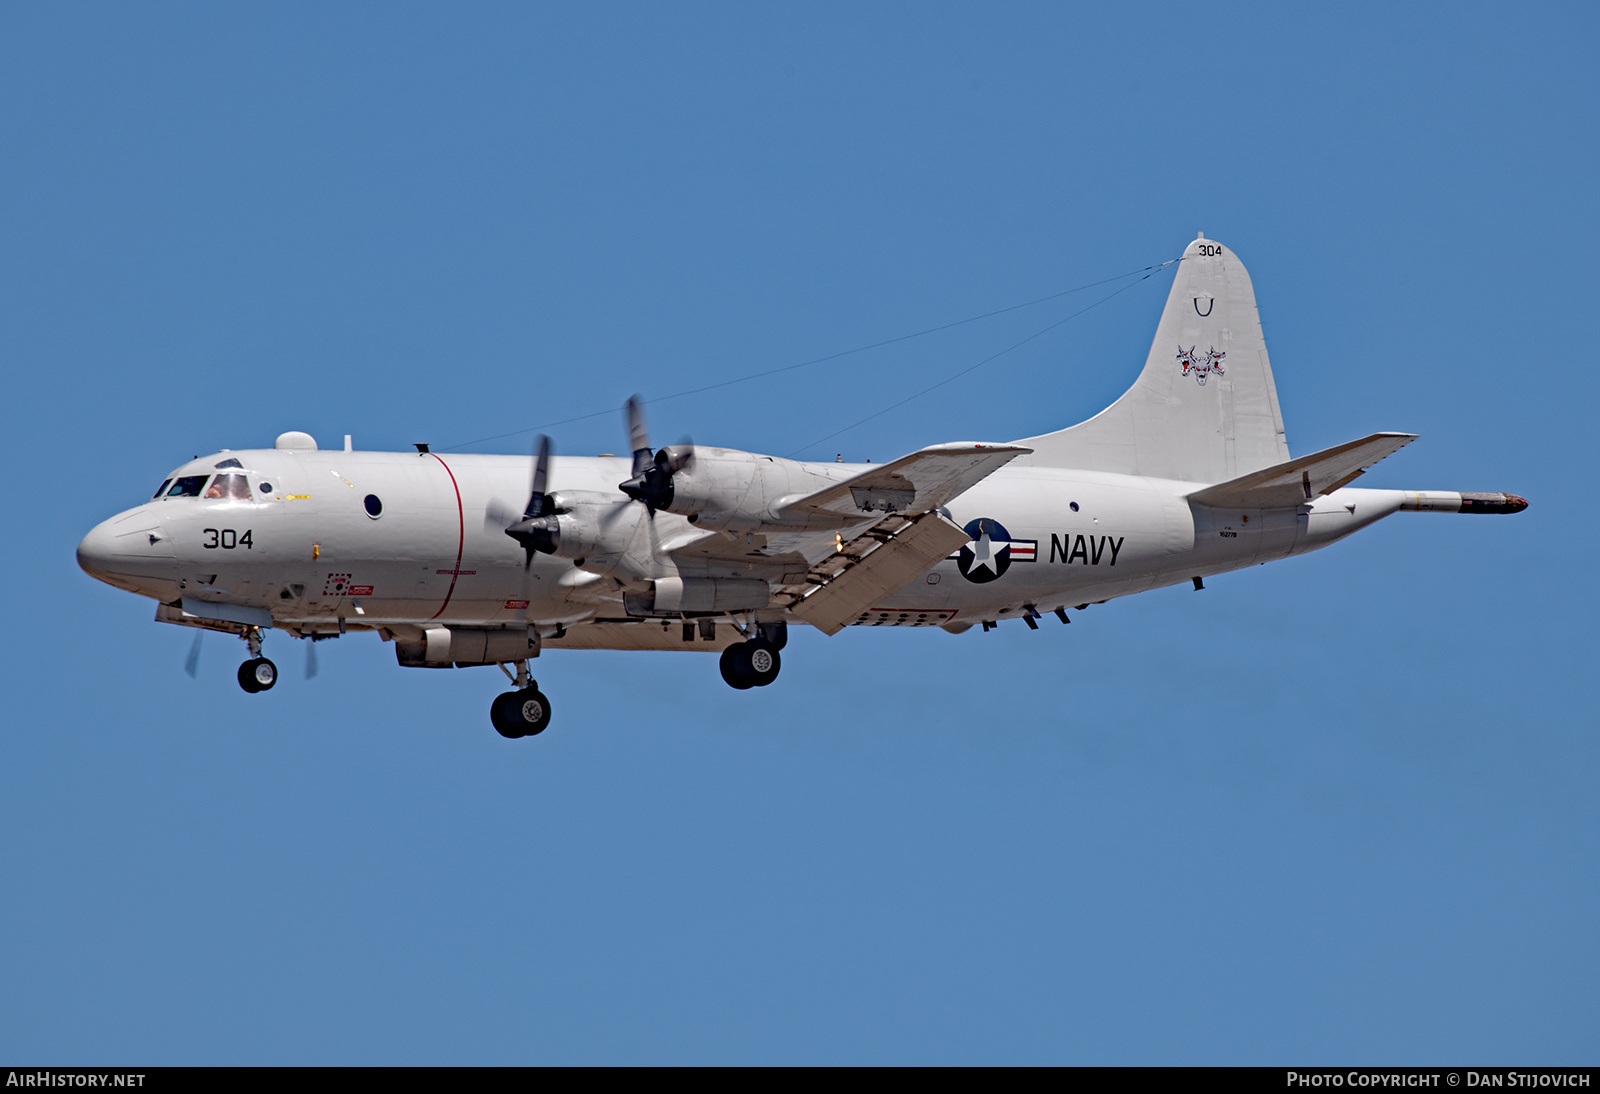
{"points": [[991, 551]]}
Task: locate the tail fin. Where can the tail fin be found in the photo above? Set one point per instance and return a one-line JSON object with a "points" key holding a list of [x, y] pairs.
{"points": [[1204, 409]]}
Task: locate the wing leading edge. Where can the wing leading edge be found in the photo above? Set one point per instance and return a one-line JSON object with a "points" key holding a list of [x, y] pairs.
{"points": [[918, 483]]}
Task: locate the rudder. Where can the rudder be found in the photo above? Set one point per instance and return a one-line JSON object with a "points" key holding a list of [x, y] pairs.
{"points": [[1205, 408]]}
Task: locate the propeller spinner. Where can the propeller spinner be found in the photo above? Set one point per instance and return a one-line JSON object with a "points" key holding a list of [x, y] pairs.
{"points": [[652, 471], [538, 528]]}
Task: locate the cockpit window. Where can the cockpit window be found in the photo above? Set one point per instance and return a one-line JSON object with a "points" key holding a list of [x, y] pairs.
{"points": [[162, 489], [234, 487], [187, 486], [229, 462]]}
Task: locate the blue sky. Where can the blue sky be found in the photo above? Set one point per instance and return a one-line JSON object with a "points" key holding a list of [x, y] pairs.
{"points": [[1336, 809]]}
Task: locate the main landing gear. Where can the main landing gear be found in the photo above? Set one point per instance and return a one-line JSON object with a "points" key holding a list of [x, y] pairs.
{"points": [[256, 674], [520, 713], [752, 664]]}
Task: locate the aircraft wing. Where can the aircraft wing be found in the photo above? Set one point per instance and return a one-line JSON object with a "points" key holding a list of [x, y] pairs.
{"points": [[889, 514], [1298, 481], [918, 483]]}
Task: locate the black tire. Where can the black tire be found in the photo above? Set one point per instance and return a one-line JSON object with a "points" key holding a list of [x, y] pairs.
{"points": [[258, 674], [520, 713], [761, 661], [736, 667], [504, 719]]}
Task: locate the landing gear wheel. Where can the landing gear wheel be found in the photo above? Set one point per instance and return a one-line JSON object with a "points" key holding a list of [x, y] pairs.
{"points": [[762, 658], [258, 674], [752, 664], [520, 713]]}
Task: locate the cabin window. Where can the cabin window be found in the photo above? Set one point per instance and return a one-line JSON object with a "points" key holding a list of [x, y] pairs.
{"points": [[162, 489], [188, 486], [232, 487], [374, 506]]}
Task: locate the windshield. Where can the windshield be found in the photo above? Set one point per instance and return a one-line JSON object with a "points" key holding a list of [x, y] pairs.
{"points": [[187, 487], [235, 487]]}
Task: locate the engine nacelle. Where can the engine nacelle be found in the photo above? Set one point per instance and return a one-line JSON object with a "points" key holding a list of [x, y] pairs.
{"points": [[734, 491], [586, 524]]}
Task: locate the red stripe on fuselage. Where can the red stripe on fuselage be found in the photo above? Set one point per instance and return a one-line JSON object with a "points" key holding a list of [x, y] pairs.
{"points": [[461, 543]]}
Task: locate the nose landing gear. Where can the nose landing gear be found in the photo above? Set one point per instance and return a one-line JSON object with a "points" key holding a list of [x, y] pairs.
{"points": [[258, 673], [521, 713]]}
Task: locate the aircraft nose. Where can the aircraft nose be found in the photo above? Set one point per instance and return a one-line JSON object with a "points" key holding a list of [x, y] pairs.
{"points": [[127, 544], [95, 551]]}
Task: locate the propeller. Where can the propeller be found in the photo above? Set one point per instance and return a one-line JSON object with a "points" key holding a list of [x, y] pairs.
{"points": [[652, 471], [537, 529], [638, 435], [191, 664], [311, 657]]}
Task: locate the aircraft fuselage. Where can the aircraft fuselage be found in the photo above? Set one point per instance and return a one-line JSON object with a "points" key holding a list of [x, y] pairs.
{"points": [[307, 546]]}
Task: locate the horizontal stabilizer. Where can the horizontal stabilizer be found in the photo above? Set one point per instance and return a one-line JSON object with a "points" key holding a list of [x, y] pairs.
{"points": [[1295, 483], [922, 481]]}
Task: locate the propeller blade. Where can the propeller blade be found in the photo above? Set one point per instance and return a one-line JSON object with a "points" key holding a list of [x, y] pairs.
{"points": [[638, 435], [191, 664], [651, 482], [311, 658], [497, 514], [609, 516], [541, 477]]}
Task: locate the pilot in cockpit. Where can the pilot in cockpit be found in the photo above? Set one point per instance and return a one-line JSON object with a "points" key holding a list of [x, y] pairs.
{"points": [[234, 487]]}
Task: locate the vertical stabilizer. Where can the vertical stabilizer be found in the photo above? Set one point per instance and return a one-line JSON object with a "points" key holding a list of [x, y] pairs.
{"points": [[1204, 409]]}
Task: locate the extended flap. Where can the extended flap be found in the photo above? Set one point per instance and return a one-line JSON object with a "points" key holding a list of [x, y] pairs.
{"points": [[1295, 483], [883, 570]]}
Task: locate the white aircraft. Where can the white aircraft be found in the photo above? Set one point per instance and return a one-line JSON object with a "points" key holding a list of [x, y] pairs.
{"points": [[696, 548]]}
